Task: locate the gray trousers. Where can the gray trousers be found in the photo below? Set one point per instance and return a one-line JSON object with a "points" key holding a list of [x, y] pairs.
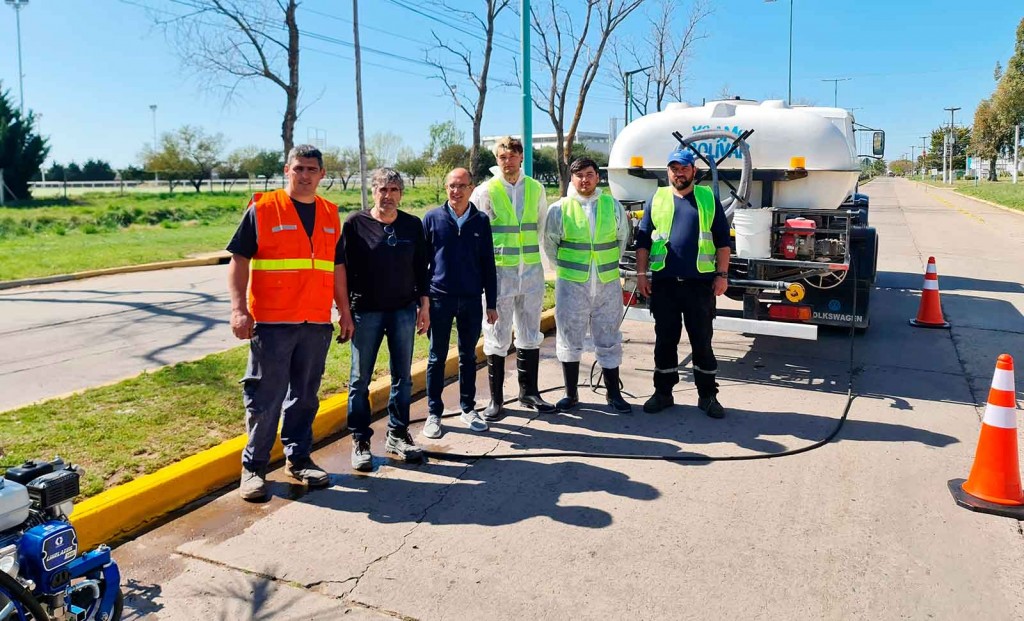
{"points": [[286, 363]]}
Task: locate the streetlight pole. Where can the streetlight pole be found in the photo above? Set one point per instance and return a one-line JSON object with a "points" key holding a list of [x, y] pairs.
{"points": [[952, 141], [835, 94], [17, 5], [789, 92], [913, 160], [629, 92], [152, 108], [525, 51]]}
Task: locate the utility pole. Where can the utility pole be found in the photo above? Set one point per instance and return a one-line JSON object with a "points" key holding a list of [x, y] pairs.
{"points": [[952, 141], [152, 108], [17, 6], [525, 53], [1016, 142], [913, 160], [923, 151], [835, 84], [629, 92], [359, 101]]}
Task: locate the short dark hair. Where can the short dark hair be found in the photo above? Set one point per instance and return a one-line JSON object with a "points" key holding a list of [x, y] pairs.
{"points": [[305, 150], [580, 163]]}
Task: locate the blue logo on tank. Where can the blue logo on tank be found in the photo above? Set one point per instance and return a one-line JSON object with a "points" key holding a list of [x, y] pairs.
{"points": [[834, 305]]}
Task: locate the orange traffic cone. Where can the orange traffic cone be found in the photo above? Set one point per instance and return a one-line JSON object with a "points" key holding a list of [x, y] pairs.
{"points": [[994, 484], [929, 313]]}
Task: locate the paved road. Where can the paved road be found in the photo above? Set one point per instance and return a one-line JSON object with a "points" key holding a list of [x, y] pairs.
{"points": [[69, 336], [862, 528]]}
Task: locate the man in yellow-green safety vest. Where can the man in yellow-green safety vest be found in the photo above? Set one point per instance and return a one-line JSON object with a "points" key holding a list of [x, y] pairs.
{"points": [[684, 235], [515, 204], [584, 236]]}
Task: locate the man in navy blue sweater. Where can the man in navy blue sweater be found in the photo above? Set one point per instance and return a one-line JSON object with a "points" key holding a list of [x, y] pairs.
{"points": [[461, 266]]}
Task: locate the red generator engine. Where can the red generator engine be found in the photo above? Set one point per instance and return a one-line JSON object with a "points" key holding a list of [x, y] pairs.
{"points": [[797, 241]]}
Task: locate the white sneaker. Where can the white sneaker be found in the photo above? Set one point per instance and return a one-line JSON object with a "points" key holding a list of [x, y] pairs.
{"points": [[473, 421], [432, 428]]}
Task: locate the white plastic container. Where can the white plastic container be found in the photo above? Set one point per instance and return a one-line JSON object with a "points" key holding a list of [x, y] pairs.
{"points": [[753, 233], [822, 136], [14, 504]]}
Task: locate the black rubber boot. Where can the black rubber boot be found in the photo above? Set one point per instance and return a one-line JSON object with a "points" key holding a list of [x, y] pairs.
{"points": [[496, 379], [571, 374], [612, 394], [527, 363]]}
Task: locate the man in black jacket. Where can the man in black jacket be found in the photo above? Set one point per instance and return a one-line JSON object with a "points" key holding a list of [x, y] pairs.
{"points": [[461, 266]]}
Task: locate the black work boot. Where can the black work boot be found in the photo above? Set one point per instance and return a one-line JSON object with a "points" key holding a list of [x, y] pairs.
{"points": [[658, 402], [571, 374], [613, 396], [527, 363], [495, 410], [709, 405]]}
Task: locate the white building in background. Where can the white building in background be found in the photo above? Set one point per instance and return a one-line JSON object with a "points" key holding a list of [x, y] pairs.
{"points": [[594, 141]]}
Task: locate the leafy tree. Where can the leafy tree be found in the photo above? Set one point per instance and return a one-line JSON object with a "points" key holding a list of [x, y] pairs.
{"points": [[133, 173], [991, 135], [545, 165], [97, 170], [900, 167], [252, 161], [188, 153], [443, 135], [343, 164], [56, 172], [453, 156], [961, 145], [485, 160], [412, 166], [22, 150], [438, 172]]}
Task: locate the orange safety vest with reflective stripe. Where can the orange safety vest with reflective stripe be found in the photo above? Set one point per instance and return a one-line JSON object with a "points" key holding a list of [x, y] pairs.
{"points": [[292, 274]]}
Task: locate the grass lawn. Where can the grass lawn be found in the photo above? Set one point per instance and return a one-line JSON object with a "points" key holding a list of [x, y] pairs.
{"points": [[137, 426], [100, 230], [1002, 192]]}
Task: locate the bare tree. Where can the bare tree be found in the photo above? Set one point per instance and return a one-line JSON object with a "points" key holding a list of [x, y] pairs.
{"points": [[238, 40], [472, 104], [666, 49], [571, 44]]}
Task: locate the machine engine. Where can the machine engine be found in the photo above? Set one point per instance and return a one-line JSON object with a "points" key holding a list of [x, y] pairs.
{"points": [[800, 240]]}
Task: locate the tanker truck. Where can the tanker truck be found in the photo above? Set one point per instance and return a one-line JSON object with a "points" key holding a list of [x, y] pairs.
{"points": [[803, 254]]}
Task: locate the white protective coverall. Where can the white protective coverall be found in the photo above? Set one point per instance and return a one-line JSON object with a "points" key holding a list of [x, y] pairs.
{"points": [[591, 305], [521, 288]]}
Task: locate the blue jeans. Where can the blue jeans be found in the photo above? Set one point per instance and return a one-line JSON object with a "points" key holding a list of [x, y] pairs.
{"points": [[467, 313], [286, 363], [371, 327]]}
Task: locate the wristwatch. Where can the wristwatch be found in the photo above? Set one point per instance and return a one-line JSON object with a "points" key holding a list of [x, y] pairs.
{"points": [[723, 274]]}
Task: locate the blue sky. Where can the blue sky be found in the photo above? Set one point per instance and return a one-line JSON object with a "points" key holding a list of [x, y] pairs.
{"points": [[93, 68]]}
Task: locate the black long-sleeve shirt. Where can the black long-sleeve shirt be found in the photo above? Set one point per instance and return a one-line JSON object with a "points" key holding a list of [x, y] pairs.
{"points": [[386, 264]]}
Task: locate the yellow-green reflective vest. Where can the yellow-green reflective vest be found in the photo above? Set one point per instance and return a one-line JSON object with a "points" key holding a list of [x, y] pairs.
{"points": [[662, 211], [515, 240], [578, 250]]}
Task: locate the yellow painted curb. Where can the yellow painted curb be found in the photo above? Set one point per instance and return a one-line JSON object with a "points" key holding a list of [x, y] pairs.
{"points": [[126, 269], [126, 508]]}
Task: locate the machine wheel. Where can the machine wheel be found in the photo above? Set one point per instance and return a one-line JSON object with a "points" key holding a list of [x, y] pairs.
{"points": [[16, 603]]}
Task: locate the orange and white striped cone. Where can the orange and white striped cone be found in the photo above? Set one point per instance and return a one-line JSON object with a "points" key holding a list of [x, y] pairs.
{"points": [[994, 483], [929, 313]]}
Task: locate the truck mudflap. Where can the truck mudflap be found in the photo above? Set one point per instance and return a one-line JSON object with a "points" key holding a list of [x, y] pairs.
{"points": [[725, 323]]}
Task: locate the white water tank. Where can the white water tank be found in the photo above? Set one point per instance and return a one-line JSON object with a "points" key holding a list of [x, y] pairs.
{"points": [[822, 136]]}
